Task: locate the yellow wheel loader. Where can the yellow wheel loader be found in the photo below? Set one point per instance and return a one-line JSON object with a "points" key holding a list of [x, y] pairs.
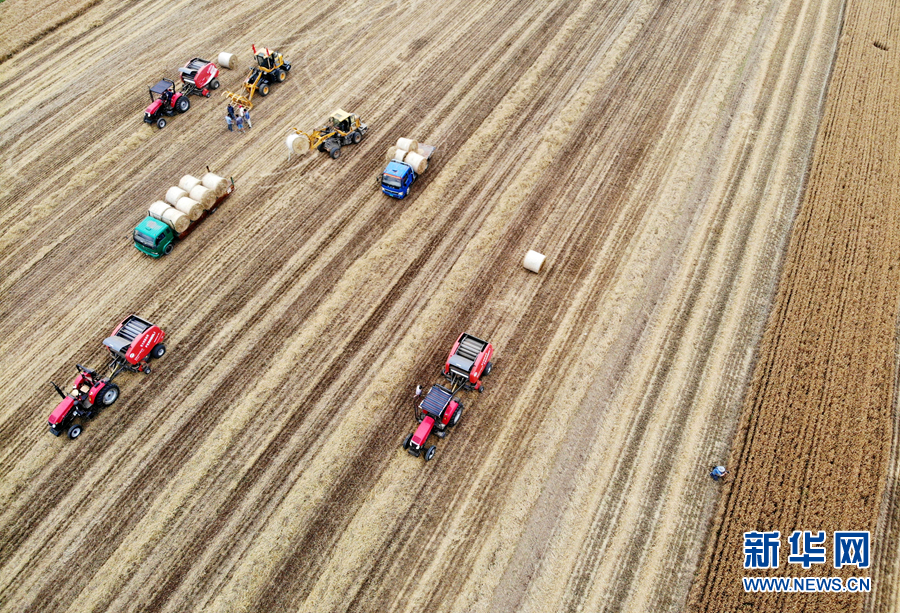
{"points": [[270, 68]]}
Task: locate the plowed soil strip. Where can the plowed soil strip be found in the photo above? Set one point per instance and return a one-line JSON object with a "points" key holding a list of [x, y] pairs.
{"points": [[813, 448]]}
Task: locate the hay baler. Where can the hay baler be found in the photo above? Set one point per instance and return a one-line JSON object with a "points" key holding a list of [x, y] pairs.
{"points": [[199, 77], [440, 410], [133, 343]]}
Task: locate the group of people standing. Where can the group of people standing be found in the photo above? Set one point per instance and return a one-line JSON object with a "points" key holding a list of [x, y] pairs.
{"points": [[238, 118]]}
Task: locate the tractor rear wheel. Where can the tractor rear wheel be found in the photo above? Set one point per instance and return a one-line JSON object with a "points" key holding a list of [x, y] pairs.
{"points": [[160, 123], [457, 415], [406, 441], [74, 431], [183, 104], [264, 89], [430, 453], [356, 137], [109, 394], [214, 84], [158, 351], [280, 75]]}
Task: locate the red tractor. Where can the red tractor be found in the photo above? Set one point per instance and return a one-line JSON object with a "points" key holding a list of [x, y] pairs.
{"points": [[166, 103], [199, 78], [440, 410], [132, 344]]}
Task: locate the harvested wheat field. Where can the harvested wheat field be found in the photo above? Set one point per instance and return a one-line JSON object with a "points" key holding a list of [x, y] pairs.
{"points": [[657, 153]]}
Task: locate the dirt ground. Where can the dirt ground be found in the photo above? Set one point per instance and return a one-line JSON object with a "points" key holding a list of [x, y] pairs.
{"points": [[656, 152]]}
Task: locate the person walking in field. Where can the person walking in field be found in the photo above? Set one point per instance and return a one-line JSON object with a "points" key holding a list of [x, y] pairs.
{"points": [[718, 472]]}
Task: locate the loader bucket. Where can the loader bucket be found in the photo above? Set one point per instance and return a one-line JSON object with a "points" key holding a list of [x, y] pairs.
{"points": [[239, 99]]}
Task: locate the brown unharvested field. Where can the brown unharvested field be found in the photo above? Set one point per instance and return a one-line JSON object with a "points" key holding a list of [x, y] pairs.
{"points": [[657, 152]]}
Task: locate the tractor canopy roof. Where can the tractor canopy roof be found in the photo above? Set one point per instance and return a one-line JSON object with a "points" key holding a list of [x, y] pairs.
{"points": [[340, 115], [151, 227], [162, 86], [398, 169]]}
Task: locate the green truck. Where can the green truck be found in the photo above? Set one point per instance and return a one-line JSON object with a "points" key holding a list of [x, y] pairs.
{"points": [[156, 237]]}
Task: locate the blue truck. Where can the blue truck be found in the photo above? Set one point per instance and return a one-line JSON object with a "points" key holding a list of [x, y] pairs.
{"points": [[402, 171]]}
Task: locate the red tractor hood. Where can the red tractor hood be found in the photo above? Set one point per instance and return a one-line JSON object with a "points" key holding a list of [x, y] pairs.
{"points": [[154, 106], [62, 409]]}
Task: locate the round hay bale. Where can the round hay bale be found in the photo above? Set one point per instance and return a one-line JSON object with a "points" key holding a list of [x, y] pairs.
{"points": [[534, 261], [177, 220], [407, 144], [205, 196], [216, 183], [226, 60], [188, 183], [297, 143], [391, 151], [157, 209], [419, 163], [175, 194], [399, 154], [190, 207]]}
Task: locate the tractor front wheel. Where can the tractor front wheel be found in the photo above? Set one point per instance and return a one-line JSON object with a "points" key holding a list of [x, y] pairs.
{"points": [[356, 137], [160, 123], [158, 351], [430, 453], [335, 153], [109, 394], [74, 431], [264, 89], [407, 441], [280, 75]]}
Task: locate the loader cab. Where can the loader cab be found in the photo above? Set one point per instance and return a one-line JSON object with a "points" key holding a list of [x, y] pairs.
{"points": [[153, 237], [266, 60], [342, 120]]}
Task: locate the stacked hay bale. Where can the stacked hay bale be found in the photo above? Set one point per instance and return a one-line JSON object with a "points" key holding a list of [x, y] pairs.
{"points": [[186, 202]]}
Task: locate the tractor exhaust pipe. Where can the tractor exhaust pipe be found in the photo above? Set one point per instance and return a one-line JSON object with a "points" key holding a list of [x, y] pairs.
{"points": [[58, 391]]}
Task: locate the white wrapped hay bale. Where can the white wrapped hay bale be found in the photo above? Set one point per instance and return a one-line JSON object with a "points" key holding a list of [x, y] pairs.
{"points": [[407, 144], [226, 60], [205, 196], [418, 163], [190, 207], [216, 183], [176, 220], [399, 154], [534, 261], [188, 183], [297, 143], [175, 194], [391, 151], [157, 209]]}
